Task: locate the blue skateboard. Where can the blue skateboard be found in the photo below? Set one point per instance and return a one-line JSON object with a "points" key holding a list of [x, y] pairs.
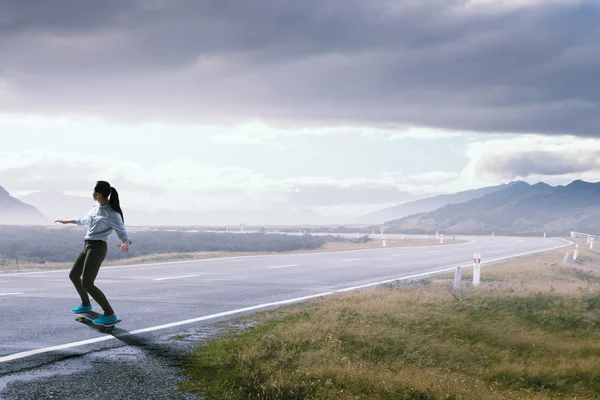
{"points": [[89, 317]]}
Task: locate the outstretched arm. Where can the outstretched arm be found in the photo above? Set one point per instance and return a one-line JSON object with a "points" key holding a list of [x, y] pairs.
{"points": [[80, 221]]}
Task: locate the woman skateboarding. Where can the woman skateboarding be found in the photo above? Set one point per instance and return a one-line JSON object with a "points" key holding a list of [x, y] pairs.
{"points": [[104, 217]]}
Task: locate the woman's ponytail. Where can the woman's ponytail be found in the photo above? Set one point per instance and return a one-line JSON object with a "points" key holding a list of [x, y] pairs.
{"points": [[113, 200]]}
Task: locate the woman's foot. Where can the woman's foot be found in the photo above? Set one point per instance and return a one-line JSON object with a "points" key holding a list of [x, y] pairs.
{"points": [[105, 319], [81, 309]]}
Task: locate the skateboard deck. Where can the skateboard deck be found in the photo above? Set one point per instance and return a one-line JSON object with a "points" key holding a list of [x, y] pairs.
{"points": [[90, 316]]}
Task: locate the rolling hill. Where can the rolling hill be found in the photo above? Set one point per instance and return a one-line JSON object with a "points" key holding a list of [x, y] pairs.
{"points": [[16, 212], [429, 204], [516, 209]]}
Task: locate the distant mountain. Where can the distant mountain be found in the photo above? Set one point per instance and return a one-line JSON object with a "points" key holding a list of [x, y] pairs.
{"points": [[429, 204], [517, 209], [15, 212], [58, 205]]}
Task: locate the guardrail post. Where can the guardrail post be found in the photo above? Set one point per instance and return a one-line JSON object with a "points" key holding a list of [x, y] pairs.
{"points": [[576, 252], [442, 239], [383, 242], [592, 243], [457, 278], [476, 269]]}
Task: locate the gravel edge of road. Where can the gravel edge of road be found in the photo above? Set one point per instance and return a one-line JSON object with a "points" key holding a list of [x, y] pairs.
{"points": [[142, 367]]}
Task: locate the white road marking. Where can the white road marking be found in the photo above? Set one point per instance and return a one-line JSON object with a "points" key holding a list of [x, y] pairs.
{"points": [[283, 266], [398, 255], [11, 294], [175, 277], [351, 259], [434, 251], [30, 353], [458, 249]]}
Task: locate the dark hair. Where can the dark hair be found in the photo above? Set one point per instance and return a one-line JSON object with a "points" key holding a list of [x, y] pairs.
{"points": [[111, 194]]}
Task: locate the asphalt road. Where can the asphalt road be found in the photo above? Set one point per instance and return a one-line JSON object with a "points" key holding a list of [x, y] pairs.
{"points": [[38, 329]]}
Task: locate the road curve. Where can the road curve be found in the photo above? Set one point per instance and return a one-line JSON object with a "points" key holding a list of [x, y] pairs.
{"points": [[37, 327]]}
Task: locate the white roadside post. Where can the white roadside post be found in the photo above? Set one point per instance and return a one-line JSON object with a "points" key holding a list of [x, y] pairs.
{"points": [[588, 239], [457, 278], [544, 235], [384, 244], [476, 269], [592, 243], [567, 256], [576, 252], [403, 236], [382, 229], [442, 238]]}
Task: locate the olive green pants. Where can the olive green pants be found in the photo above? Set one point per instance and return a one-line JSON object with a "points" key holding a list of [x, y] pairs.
{"points": [[84, 272]]}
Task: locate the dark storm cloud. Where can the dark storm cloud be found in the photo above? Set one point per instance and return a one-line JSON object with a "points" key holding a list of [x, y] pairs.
{"points": [[525, 164], [426, 62]]}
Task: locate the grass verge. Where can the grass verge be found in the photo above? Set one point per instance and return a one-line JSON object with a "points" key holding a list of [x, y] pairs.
{"points": [[530, 331]]}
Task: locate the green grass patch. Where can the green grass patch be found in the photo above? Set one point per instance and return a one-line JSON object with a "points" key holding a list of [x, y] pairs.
{"points": [[420, 342]]}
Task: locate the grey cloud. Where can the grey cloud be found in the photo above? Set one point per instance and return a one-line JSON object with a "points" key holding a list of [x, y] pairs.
{"points": [[525, 164], [310, 62]]}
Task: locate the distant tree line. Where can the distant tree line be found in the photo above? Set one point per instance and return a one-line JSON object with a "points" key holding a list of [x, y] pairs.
{"points": [[38, 245]]}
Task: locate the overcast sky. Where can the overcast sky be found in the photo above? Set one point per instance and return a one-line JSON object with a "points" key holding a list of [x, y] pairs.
{"points": [[344, 106]]}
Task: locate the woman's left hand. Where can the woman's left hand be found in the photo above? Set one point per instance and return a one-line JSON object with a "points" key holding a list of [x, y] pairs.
{"points": [[124, 246]]}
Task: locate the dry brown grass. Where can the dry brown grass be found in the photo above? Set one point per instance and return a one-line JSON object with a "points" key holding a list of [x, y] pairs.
{"points": [[530, 331], [166, 257]]}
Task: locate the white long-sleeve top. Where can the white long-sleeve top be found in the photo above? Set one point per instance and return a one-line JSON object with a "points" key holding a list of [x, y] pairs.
{"points": [[101, 221]]}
